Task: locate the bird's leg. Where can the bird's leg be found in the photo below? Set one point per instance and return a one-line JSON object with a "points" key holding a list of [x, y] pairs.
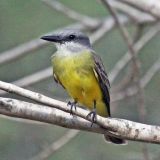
{"points": [[93, 114], [72, 105]]}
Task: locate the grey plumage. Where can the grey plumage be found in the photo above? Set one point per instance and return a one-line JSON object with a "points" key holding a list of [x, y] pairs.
{"points": [[69, 35]]}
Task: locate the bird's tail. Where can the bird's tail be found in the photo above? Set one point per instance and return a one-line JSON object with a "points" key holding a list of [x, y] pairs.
{"points": [[115, 140]]}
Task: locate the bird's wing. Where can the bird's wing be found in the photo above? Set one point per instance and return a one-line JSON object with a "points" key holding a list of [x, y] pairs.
{"points": [[103, 80], [57, 79]]}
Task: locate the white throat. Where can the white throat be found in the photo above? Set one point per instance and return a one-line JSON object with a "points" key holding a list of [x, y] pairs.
{"points": [[69, 48]]}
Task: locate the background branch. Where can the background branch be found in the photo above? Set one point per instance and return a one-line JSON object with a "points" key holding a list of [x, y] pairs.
{"points": [[51, 149], [84, 19], [137, 46], [143, 82], [132, 12], [23, 49], [149, 6]]}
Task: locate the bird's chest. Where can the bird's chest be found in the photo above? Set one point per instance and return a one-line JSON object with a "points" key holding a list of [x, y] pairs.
{"points": [[77, 76], [75, 73]]}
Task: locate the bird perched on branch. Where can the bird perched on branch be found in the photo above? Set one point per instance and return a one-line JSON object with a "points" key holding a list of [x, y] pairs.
{"points": [[81, 72]]}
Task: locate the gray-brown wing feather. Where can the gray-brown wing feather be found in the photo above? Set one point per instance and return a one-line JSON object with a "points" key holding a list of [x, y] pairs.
{"points": [[105, 85], [103, 80], [57, 79]]}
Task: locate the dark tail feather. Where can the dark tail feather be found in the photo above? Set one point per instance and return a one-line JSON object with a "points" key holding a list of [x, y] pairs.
{"points": [[115, 140]]}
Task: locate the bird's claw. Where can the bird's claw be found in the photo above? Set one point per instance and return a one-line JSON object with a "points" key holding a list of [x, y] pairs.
{"points": [[93, 116], [72, 105]]}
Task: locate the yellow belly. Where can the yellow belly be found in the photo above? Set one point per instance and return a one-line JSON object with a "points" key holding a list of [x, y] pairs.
{"points": [[80, 82]]}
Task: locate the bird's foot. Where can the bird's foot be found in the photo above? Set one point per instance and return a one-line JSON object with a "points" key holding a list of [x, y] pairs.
{"points": [[72, 105], [93, 116]]}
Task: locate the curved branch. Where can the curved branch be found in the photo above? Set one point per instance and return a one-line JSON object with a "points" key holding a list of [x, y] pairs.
{"points": [[133, 13], [30, 46], [119, 127], [143, 82], [41, 113], [137, 46], [84, 19], [51, 149], [149, 6]]}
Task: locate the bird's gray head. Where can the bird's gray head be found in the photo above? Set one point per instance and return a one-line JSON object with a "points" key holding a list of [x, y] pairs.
{"points": [[70, 39]]}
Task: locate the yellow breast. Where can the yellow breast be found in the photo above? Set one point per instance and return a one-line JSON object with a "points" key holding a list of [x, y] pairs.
{"points": [[77, 76]]}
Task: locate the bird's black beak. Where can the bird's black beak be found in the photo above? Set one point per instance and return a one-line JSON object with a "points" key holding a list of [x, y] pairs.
{"points": [[52, 38]]}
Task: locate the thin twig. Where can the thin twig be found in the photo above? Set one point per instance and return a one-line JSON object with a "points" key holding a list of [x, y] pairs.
{"points": [[130, 75], [133, 13], [106, 26], [149, 6], [138, 46], [124, 34], [51, 149], [84, 19], [23, 49], [144, 82]]}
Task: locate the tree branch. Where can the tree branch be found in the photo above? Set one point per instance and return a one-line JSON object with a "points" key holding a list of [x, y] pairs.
{"points": [[143, 82], [84, 19], [129, 77], [51, 149], [41, 113], [119, 127], [149, 6], [137, 46], [127, 39], [30, 46], [133, 13]]}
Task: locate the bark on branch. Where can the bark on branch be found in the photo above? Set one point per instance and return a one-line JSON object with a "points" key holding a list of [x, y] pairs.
{"points": [[122, 128]]}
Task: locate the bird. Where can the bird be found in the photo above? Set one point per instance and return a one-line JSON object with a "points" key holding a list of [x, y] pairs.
{"points": [[80, 71]]}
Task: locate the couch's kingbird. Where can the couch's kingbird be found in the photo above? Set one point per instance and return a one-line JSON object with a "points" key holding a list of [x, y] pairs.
{"points": [[81, 72]]}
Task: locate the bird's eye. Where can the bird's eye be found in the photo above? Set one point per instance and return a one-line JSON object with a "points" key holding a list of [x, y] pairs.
{"points": [[72, 36]]}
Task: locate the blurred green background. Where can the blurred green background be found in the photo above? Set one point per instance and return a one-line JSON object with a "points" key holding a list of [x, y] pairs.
{"points": [[21, 21]]}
